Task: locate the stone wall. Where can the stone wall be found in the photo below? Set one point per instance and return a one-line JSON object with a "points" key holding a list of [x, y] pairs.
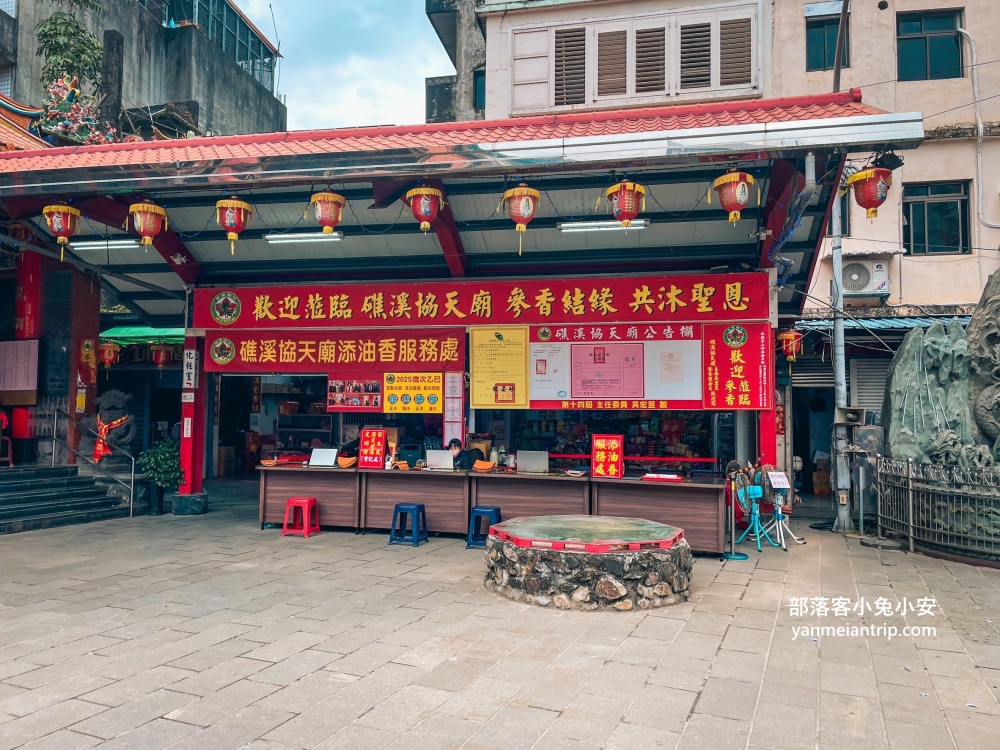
{"points": [[579, 580]]}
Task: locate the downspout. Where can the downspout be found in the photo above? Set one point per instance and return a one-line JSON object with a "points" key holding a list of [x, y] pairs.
{"points": [[979, 131]]}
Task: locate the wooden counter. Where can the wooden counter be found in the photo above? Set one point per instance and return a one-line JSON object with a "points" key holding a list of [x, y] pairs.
{"points": [[336, 492], [445, 496], [697, 507], [520, 495]]}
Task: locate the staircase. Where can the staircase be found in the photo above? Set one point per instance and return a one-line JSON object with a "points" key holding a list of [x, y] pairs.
{"points": [[37, 497]]}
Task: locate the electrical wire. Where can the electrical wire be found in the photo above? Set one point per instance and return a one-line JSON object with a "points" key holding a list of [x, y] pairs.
{"points": [[911, 80], [845, 314]]}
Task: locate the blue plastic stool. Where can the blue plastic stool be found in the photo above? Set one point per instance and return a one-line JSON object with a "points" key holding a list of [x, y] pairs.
{"points": [[477, 537], [418, 533]]}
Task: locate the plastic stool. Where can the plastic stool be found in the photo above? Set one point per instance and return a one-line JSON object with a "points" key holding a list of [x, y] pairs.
{"points": [[9, 456], [477, 538], [418, 533], [306, 521]]}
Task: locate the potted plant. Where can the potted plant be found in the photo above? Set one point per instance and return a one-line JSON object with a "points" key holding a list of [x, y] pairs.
{"points": [[162, 464]]}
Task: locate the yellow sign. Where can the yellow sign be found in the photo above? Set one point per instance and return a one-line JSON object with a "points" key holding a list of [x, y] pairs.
{"points": [[499, 362], [413, 393]]}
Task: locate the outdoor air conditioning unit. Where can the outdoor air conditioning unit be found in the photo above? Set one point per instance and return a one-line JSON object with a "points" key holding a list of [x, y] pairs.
{"points": [[866, 278]]}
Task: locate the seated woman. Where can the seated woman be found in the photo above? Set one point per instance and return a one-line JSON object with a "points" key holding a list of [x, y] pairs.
{"points": [[464, 459]]}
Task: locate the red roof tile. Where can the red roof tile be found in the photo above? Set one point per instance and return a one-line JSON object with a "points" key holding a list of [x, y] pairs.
{"points": [[349, 140]]}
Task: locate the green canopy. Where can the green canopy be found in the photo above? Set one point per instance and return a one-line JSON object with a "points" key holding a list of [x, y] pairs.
{"points": [[123, 335]]}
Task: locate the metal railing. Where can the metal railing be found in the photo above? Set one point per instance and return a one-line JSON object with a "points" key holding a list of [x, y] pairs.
{"points": [[951, 509], [57, 440]]}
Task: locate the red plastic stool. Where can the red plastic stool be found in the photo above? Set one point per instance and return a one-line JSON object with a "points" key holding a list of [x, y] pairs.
{"points": [[305, 521]]}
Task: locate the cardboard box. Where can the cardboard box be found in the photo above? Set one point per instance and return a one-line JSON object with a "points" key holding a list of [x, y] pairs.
{"points": [[821, 482], [823, 465]]}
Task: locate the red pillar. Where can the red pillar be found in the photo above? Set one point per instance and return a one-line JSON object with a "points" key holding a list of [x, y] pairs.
{"points": [[767, 437], [193, 416], [27, 323]]}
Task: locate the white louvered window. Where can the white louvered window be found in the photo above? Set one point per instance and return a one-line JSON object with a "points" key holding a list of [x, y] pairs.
{"points": [[637, 60]]}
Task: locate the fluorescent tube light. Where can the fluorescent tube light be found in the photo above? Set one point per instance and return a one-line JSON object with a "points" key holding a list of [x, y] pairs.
{"points": [[286, 239], [600, 226], [116, 244]]}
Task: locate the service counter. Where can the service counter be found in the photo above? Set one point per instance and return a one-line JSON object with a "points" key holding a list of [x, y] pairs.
{"points": [[336, 492], [520, 495], [697, 507], [445, 495]]}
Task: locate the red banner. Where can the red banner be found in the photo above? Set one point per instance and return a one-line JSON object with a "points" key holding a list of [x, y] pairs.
{"points": [[371, 449], [607, 456], [738, 365], [590, 333], [364, 354], [644, 299]]}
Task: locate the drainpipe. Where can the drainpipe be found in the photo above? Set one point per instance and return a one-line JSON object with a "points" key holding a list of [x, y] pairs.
{"points": [[979, 130]]}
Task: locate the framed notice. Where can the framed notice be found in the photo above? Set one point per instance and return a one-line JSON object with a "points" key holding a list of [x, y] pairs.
{"points": [[353, 395], [499, 361], [371, 449], [414, 392], [607, 456]]}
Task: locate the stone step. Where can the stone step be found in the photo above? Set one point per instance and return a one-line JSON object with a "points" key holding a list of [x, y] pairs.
{"points": [[47, 494], [20, 473], [30, 510], [58, 484], [61, 519]]}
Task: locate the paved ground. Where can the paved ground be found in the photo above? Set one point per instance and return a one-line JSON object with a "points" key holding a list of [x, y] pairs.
{"points": [[207, 633]]}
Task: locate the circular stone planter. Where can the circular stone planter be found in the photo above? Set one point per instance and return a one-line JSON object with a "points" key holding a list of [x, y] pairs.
{"points": [[588, 562]]}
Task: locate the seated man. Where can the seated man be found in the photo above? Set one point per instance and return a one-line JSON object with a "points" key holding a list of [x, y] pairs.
{"points": [[464, 459]]}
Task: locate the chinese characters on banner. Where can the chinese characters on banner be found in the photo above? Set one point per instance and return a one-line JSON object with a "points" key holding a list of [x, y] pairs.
{"points": [[740, 296], [371, 449], [499, 368], [255, 393], [354, 395], [607, 456], [738, 366], [414, 392], [190, 371], [366, 354]]}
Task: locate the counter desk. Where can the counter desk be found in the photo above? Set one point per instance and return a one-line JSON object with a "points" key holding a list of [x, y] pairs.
{"points": [[336, 492], [697, 507], [445, 495], [520, 495]]}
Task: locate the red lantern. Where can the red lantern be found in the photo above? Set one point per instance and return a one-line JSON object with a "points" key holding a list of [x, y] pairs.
{"points": [[425, 202], [233, 215], [109, 353], [627, 200], [791, 344], [328, 208], [871, 188], [734, 193], [521, 204], [148, 220], [62, 222], [161, 354]]}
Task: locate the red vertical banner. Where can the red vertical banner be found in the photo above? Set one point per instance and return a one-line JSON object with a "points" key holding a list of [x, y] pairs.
{"points": [[738, 366], [193, 397], [27, 323], [371, 449], [607, 456]]}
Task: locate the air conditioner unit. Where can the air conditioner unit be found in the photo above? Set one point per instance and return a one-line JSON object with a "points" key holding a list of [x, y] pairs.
{"points": [[866, 278]]}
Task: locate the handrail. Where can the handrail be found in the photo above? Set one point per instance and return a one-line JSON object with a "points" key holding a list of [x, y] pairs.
{"points": [[130, 486]]}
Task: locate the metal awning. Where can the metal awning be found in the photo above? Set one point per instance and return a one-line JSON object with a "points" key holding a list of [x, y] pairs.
{"points": [[880, 324], [124, 335]]}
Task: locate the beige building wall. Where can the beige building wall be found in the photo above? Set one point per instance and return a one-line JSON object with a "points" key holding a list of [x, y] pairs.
{"points": [[949, 152]]}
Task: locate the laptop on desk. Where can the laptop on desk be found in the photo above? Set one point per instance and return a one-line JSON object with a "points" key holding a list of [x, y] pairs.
{"points": [[532, 462], [325, 457], [440, 461]]}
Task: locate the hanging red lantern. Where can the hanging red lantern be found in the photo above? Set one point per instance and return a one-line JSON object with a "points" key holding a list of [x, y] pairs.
{"points": [[627, 199], [522, 201], [109, 353], [734, 193], [871, 188], [62, 222], [791, 344], [147, 220], [233, 215], [425, 202], [328, 208], [160, 354]]}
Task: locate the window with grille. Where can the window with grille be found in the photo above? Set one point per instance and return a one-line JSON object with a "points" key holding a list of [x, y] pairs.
{"points": [[9, 7], [227, 28], [7, 80], [936, 218]]}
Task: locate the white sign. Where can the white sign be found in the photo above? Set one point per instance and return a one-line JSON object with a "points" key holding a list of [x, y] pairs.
{"points": [[187, 398], [779, 480], [187, 427], [190, 379]]}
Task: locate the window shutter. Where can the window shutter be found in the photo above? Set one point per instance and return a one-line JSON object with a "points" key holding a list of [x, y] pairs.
{"points": [[530, 73], [650, 60], [570, 66], [735, 55], [696, 56], [612, 62]]}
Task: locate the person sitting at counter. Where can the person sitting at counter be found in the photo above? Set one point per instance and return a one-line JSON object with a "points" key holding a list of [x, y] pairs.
{"points": [[464, 458]]}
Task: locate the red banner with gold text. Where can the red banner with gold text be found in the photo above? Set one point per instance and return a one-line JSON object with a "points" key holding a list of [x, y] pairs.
{"points": [[739, 360]]}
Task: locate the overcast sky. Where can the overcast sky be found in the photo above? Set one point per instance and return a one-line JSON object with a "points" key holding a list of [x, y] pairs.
{"points": [[351, 62]]}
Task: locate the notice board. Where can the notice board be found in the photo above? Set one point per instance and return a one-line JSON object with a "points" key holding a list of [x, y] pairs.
{"points": [[499, 362]]}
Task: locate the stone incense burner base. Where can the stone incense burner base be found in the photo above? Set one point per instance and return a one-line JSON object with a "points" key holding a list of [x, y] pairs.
{"points": [[588, 562]]}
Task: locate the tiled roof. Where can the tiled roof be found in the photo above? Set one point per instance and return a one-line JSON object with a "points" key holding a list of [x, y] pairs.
{"points": [[15, 119], [444, 135]]}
